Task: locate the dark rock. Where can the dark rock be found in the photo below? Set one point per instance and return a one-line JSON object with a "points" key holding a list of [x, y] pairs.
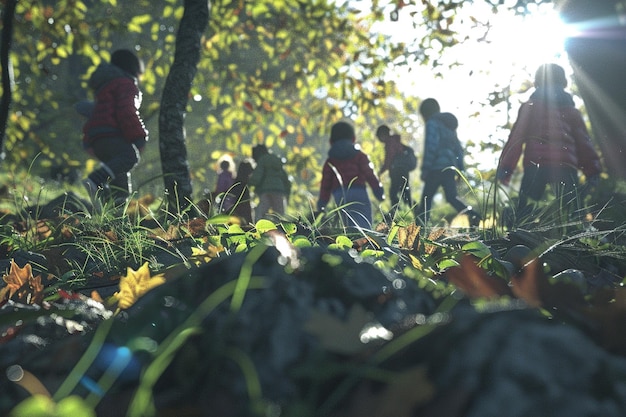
{"points": [[68, 203]]}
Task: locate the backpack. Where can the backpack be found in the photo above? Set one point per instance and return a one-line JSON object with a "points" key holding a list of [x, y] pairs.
{"points": [[405, 161]]}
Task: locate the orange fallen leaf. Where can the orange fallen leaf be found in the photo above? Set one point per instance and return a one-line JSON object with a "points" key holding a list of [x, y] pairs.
{"points": [[197, 226], [21, 285], [527, 284], [95, 295], [111, 235], [16, 278]]}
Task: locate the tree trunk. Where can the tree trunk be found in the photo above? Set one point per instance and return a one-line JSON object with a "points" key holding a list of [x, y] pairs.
{"points": [[172, 146], [598, 57], [6, 68]]}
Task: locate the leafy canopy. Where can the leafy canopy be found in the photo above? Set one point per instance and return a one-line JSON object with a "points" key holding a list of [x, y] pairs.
{"points": [[276, 72]]}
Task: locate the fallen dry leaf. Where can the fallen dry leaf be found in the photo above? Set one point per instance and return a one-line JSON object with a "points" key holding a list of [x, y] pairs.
{"points": [[95, 295], [526, 285], [22, 286], [111, 235], [16, 278], [200, 255], [408, 237], [43, 230], [135, 284], [197, 226], [140, 207], [433, 236]]}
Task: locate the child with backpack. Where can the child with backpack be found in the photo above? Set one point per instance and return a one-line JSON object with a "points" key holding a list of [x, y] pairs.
{"points": [[443, 158], [270, 182], [345, 174], [399, 160], [114, 132]]}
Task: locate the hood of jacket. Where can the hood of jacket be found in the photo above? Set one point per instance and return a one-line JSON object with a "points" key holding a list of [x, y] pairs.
{"points": [[447, 119], [554, 96], [104, 74], [343, 149]]}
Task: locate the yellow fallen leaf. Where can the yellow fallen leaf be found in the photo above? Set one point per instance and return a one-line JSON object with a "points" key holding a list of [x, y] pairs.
{"points": [[196, 251], [417, 264], [201, 255], [135, 284]]}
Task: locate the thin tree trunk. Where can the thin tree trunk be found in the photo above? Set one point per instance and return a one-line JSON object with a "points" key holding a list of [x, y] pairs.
{"points": [[172, 144], [6, 68]]}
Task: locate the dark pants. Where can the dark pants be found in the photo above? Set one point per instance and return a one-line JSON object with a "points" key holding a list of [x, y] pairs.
{"points": [[118, 158], [355, 205], [563, 179], [399, 188], [446, 179]]}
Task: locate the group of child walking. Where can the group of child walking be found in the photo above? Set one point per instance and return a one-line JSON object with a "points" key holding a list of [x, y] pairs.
{"points": [[549, 131], [265, 173], [348, 170]]}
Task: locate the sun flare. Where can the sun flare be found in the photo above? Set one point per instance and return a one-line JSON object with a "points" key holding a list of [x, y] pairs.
{"points": [[499, 55], [529, 41]]}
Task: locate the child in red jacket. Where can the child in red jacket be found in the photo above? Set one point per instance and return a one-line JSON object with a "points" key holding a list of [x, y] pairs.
{"points": [[114, 132], [345, 175], [551, 133]]}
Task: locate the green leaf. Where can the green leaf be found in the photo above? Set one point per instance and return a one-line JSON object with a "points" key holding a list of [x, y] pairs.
{"points": [[235, 229], [219, 219], [264, 225], [289, 228], [478, 249], [35, 406], [372, 253], [42, 406], [332, 260], [74, 406], [447, 263], [392, 233], [343, 242], [301, 242]]}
